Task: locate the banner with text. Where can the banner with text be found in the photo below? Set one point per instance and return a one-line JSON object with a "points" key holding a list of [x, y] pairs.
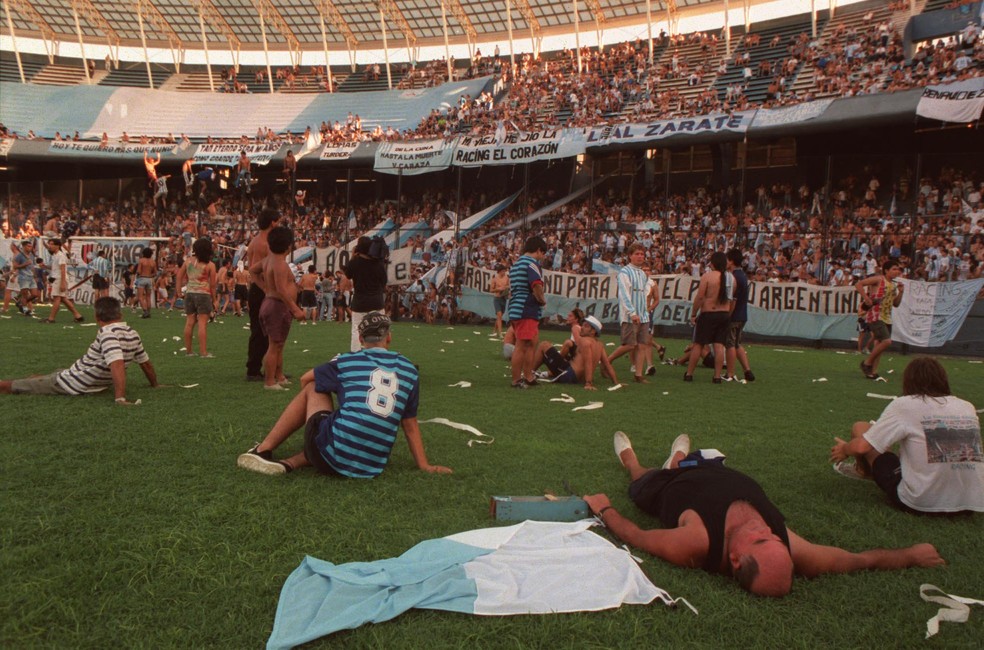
{"points": [[776, 309], [961, 101], [931, 313], [338, 151], [68, 147], [658, 130], [414, 156], [227, 155], [518, 147], [331, 259]]}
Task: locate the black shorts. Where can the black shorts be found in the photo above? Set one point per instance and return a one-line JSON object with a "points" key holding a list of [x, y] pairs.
{"points": [[241, 293], [128, 292], [735, 328], [309, 299], [712, 327], [99, 283], [311, 451], [556, 363]]}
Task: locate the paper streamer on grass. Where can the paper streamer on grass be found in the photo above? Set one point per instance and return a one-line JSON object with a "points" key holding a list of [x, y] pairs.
{"points": [[88, 325], [462, 427], [877, 396], [820, 380], [615, 387], [789, 351], [188, 385], [590, 406], [564, 397], [460, 384], [956, 609]]}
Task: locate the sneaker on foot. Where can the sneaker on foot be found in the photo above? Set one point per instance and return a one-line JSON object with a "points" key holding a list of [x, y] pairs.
{"points": [[260, 461], [688, 377], [849, 469], [651, 371], [749, 375], [621, 442], [680, 444], [521, 384]]}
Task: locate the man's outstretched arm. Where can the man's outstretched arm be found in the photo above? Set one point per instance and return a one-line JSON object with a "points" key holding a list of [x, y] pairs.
{"points": [[677, 546], [811, 560]]}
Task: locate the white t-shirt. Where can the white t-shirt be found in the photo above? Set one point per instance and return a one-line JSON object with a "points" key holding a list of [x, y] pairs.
{"points": [[940, 451]]}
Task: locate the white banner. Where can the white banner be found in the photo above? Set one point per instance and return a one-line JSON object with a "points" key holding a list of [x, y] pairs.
{"points": [[518, 147], [791, 114], [5, 145], [931, 313], [333, 259], [646, 132], [115, 149], [339, 151], [227, 155], [414, 156], [961, 101]]}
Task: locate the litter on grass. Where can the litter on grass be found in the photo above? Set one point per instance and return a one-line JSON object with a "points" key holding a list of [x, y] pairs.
{"points": [[615, 387], [175, 338], [447, 342], [460, 384], [666, 392], [877, 396], [972, 361], [564, 397], [955, 608], [462, 427], [88, 324], [820, 380], [590, 406], [189, 385], [790, 351], [882, 379]]}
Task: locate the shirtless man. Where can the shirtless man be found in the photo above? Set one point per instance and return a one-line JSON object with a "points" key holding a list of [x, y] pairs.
{"points": [[189, 176], [279, 306], [244, 179], [499, 286], [146, 274], [240, 290], [343, 297], [151, 166], [722, 521], [581, 368], [257, 250], [711, 314], [309, 297]]}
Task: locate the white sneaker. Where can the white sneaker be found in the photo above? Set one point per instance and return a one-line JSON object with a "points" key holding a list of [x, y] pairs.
{"points": [[680, 444], [849, 469], [254, 462], [621, 442]]}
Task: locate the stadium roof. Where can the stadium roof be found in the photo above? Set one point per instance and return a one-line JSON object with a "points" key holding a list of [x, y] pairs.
{"points": [[293, 25]]}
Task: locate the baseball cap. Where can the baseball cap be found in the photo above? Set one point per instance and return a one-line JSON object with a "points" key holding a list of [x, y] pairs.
{"points": [[593, 322], [374, 327]]}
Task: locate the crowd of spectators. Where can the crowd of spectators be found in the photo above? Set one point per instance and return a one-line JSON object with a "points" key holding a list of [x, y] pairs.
{"points": [[932, 226], [617, 83]]}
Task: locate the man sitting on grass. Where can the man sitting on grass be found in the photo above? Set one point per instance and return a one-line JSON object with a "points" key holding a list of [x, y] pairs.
{"points": [[377, 393], [580, 367], [939, 442], [723, 522], [103, 365]]}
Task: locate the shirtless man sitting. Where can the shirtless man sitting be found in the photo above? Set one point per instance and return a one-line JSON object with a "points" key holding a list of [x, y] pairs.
{"points": [[720, 520], [581, 366]]}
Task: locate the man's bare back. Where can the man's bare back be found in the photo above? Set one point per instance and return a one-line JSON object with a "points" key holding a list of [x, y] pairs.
{"points": [[708, 291]]}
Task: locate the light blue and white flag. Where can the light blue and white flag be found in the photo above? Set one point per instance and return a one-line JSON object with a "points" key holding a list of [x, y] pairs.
{"points": [[529, 568]]}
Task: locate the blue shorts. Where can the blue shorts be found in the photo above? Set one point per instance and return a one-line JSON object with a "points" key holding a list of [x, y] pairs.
{"points": [[566, 377], [144, 283]]}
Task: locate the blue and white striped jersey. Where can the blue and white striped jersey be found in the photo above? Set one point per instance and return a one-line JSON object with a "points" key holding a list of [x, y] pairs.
{"points": [[376, 389]]}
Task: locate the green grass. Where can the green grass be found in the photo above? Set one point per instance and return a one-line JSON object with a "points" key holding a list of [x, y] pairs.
{"points": [[134, 527]]}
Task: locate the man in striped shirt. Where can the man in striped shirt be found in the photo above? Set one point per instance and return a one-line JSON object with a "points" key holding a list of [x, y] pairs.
{"points": [[526, 301], [633, 312], [378, 392], [103, 365]]}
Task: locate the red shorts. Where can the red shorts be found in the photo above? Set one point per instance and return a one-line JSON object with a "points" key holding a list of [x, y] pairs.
{"points": [[527, 329], [275, 319]]}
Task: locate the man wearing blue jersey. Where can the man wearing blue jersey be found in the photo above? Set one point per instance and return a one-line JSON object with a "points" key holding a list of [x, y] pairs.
{"points": [[377, 393], [633, 310], [526, 300]]}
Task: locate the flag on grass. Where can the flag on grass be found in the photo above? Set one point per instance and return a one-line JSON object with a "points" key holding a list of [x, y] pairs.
{"points": [[529, 568]]}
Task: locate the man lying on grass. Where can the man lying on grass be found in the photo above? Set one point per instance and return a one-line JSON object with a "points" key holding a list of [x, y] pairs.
{"points": [[724, 523], [377, 393], [103, 365]]}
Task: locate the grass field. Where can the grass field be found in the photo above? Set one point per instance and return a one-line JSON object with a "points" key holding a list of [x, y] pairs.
{"points": [[133, 527]]}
